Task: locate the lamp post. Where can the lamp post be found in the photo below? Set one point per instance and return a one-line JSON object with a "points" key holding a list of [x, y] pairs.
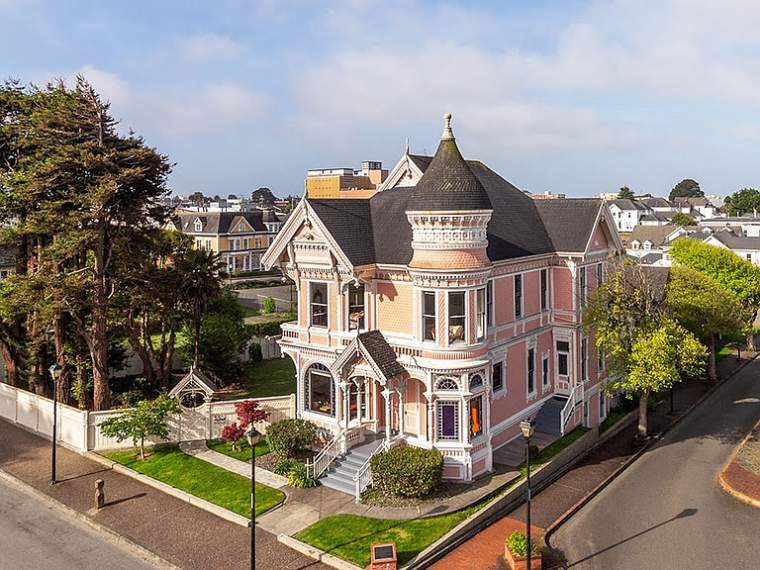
{"points": [[527, 428], [253, 437], [55, 374]]}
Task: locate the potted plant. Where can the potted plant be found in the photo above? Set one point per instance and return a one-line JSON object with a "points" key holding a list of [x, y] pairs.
{"points": [[516, 552]]}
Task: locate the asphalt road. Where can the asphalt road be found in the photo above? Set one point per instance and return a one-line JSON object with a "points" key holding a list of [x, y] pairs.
{"points": [[667, 511], [33, 536]]}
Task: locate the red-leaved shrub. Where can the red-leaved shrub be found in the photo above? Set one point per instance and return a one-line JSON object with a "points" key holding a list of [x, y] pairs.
{"points": [[248, 411]]}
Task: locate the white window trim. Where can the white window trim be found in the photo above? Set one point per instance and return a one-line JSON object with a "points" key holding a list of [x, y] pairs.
{"points": [[545, 378], [531, 345], [421, 312], [503, 390], [584, 359], [467, 308], [522, 296], [457, 420], [485, 314], [327, 303]]}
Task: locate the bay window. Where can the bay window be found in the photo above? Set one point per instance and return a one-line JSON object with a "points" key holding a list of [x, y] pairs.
{"points": [[489, 303], [356, 307], [318, 293], [428, 315], [448, 420], [456, 316], [476, 417], [319, 391], [480, 314]]}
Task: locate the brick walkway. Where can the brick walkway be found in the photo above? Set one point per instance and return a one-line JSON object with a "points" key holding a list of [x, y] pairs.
{"points": [[176, 531], [485, 551]]}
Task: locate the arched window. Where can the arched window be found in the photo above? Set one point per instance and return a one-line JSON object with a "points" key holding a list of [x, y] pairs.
{"points": [[476, 381], [446, 383], [319, 390], [198, 225]]}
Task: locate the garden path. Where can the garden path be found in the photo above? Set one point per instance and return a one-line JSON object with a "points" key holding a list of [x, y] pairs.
{"points": [[201, 451]]}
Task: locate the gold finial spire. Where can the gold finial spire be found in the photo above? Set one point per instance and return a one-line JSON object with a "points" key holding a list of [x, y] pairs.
{"points": [[448, 134]]}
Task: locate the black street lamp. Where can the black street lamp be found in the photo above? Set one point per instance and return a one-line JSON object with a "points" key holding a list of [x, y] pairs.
{"points": [[527, 427], [253, 437], [55, 374]]}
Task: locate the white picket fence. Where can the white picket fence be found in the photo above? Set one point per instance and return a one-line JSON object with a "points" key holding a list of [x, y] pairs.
{"points": [[81, 429]]}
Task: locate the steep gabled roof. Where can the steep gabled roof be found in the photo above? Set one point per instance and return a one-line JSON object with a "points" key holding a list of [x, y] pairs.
{"points": [[655, 234], [570, 221], [220, 222]]}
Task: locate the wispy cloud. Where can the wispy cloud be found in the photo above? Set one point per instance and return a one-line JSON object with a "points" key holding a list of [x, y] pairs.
{"points": [[203, 47]]}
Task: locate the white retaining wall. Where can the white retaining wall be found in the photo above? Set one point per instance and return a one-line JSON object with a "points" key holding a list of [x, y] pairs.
{"points": [[81, 429]]}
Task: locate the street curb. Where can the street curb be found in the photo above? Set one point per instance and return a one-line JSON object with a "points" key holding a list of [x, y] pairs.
{"points": [[113, 536], [221, 512], [316, 553], [730, 489], [655, 439]]}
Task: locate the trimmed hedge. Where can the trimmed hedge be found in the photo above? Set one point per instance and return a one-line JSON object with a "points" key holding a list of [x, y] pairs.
{"points": [[407, 471], [287, 437]]}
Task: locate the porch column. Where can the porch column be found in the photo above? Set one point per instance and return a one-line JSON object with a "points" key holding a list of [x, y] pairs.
{"points": [[401, 404], [340, 412], [387, 396], [430, 424]]}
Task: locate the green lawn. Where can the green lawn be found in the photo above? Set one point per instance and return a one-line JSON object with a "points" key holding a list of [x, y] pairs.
{"points": [[214, 484], [275, 377], [350, 536], [180, 340], [221, 446]]}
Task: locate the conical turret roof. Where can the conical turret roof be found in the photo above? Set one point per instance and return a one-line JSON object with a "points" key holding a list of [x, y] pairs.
{"points": [[448, 183]]}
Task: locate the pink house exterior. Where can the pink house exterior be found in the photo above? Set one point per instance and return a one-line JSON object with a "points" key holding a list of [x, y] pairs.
{"points": [[444, 310]]}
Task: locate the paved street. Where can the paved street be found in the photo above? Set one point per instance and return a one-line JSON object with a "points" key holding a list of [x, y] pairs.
{"points": [[33, 535], [667, 510]]}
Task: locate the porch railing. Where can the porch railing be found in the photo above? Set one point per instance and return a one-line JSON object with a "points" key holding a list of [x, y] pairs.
{"points": [[576, 397], [363, 477], [324, 458]]}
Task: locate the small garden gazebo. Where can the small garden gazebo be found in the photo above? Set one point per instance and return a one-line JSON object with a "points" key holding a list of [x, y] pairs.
{"points": [[194, 389]]}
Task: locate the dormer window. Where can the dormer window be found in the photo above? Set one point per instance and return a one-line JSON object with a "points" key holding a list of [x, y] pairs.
{"points": [[198, 226]]}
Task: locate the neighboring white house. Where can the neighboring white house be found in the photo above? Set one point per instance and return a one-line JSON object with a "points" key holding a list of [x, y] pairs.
{"points": [[627, 213], [745, 247]]}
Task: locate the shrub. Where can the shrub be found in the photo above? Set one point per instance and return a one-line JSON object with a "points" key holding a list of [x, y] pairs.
{"points": [[287, 437], [232, 434], [517, 543], [254, 352], [299, 477], [407, 471], [284, 466], [268, 306]]}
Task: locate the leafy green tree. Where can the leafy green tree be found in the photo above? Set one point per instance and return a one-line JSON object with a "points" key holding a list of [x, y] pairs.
{"points": [[149, 418], [197, 198], [743, 201], [201, 286], [626, 193], [629, 318], [223, 337], [686, 188], [731, 271], [681, 219], [704, 307]]}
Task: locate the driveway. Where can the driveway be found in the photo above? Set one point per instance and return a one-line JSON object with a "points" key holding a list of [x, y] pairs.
{"points": [[667, 510]]}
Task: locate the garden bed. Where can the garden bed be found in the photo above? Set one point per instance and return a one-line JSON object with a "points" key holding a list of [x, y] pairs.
{"points": [[170, 465]]}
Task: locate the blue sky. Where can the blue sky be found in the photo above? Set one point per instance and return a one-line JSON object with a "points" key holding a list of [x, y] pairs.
{"points": [[568, 96]]}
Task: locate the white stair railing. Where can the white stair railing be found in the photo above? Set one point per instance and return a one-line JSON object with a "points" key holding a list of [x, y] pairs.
{"points": [[363, 477], [576, 397], [324, 458]]}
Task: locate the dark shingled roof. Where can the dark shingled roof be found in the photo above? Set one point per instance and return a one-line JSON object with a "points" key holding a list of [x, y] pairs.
{"points": [[381, 353], [569, 221], [377, 230], [448, 183]]}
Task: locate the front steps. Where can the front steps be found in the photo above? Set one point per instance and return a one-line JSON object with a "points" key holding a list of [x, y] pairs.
{"points": [[341, 474]]}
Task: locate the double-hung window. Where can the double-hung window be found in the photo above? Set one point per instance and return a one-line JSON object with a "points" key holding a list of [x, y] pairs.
{"points": [[531, 370], [489, 303], [518, 296], [480, 314], [583, 286], [456, 317], [545, 370], [356, 307], [599, 274], [497, 377], [319, 304], [544, 289], [563, 358], [584, 359], [428, 315]]}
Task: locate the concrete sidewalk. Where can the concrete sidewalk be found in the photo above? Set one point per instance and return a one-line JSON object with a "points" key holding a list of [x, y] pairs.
{"points": [[486, 549], [178, 532], [200, 450]]}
